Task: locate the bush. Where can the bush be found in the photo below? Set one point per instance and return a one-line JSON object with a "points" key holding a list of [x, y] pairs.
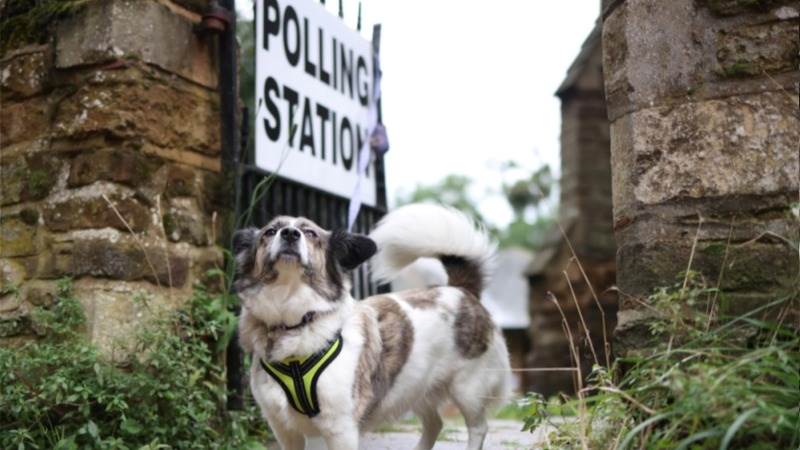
{"points": [[707, 383], [60, 392]]}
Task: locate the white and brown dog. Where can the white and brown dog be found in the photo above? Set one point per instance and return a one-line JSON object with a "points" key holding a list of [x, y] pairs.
{"points": [[326, 364]]}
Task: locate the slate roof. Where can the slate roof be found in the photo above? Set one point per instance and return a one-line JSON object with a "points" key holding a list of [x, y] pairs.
{"points": [[579, 64]]}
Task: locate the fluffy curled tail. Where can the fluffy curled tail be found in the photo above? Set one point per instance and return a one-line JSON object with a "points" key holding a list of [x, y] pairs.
{"points": [[426, 230]]}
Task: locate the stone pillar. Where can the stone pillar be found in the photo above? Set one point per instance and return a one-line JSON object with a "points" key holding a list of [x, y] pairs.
{"points": [[110, 165], [703, 103], [585, 215]]}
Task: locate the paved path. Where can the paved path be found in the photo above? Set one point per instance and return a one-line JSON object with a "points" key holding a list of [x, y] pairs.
{"points": [[503, 435]]}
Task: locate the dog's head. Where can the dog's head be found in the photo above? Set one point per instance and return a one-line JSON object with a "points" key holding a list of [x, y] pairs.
{"points": [[292, 250]]}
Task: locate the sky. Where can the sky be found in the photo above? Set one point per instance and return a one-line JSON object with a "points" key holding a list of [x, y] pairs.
{"points": [[468, 85]]}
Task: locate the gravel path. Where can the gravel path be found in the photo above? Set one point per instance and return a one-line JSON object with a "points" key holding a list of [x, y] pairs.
{"points": [[503, 435]]}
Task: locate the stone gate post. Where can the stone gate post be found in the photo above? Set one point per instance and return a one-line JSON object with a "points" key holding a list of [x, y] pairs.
{"points": [[705, 140], [109, 130]]}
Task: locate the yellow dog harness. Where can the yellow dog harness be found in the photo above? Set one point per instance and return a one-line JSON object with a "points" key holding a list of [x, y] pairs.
{"points": [[298, 378]]}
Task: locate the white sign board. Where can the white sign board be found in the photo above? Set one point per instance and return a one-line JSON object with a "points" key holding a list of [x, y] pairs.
{"points": [[313, 90]]}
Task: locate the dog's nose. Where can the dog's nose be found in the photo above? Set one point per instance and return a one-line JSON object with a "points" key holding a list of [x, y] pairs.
{"points": [[290, 234]]}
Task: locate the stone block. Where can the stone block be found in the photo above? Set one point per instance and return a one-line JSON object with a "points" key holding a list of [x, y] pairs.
{"points": [[10, 301], [736, 7], [40, 293], [683, 53], [127, 260], [660, 37], [24, 120], [146, 30], [205, 260], [142, 110], [692, 150], [752, 50], [18, 238], [180, 181], [100, 258], [184, 223], [27, 178], [119, 165], [12, 274], [755, 267], [26, 74], [92, 211]]}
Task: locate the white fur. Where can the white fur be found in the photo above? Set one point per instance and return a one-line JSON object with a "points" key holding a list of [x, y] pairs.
{"points": [[427, 230]]}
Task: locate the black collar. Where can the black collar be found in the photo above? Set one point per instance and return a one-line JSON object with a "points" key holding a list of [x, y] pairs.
{"points": [[307, 318]]}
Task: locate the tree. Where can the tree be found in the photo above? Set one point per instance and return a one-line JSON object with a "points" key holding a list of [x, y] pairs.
{"points": [[526, 197]]}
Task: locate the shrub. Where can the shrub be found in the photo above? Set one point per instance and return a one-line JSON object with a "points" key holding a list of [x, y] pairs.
{"points": [[707, 382], [60, 392]]}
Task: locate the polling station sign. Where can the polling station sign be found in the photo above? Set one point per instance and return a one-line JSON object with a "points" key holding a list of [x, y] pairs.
{"points": [[314, 88]]}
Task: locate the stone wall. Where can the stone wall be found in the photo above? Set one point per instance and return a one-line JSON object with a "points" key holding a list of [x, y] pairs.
{"points": [[703, 102], [110, 165]]}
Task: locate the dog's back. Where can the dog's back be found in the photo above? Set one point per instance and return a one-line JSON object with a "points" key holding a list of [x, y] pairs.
{"points": [[434, 344]]}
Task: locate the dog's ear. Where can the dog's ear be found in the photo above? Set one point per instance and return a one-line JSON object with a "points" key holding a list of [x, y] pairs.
{"points": [[243, 245], [350, 249], [244, 239]]}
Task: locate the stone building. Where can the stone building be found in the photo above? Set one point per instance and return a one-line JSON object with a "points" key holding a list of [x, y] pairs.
{"points": [[702, 97], [110, 163], [586, 218]]}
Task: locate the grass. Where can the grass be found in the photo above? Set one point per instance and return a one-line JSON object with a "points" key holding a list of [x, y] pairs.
{"points": [[707, 382]]}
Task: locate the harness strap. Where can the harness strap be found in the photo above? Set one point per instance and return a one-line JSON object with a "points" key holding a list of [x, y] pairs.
{"points": [[298, 379]]}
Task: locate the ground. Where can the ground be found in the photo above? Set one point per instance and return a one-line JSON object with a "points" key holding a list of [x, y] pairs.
{"points": [[503, 434]]}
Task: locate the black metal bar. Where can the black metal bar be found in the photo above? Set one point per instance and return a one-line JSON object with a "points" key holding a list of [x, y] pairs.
{"points": [[380, 174], [231, 151]]}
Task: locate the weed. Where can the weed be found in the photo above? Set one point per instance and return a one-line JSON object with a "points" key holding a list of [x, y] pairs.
{"points": [[61, 392], [709, 382]]}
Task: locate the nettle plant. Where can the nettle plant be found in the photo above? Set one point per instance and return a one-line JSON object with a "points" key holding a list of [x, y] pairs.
{"points": [[708, 381], [61, 392]]}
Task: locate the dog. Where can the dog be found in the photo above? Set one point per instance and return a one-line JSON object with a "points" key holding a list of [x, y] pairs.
{"points": [[376, 359]]}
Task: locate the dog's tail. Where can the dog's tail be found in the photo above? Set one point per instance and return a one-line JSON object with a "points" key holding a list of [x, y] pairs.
{"points": [[426, 230]]}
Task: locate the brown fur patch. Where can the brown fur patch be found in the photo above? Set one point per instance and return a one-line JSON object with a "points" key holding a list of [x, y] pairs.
{"points": [[473, 327], [380, 364], [463, 273], [420, 298]]}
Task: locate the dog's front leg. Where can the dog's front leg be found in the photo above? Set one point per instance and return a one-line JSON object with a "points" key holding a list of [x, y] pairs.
{"points": [[287, 438], [344, 436]]}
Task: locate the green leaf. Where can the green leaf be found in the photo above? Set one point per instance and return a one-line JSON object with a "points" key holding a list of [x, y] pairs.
{"points": [[91, 427], [726, 440]]}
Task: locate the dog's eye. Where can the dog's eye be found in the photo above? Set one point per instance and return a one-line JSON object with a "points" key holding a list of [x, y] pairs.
{"points": [[310, 233], [270, 232]]}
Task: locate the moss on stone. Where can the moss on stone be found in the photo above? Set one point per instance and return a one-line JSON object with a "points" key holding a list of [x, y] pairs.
{"points": [[29, 216], [169, 224], [28, 21], [740, 69], [39, 183], [714, 249]]}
